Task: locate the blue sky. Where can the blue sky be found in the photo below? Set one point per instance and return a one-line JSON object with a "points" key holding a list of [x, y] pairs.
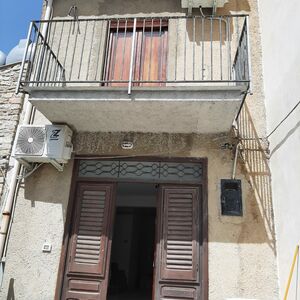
{"points": [[15, 16]]}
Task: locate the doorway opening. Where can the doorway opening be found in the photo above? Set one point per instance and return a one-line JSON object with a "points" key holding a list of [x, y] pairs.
{"points": [[133, 243]]}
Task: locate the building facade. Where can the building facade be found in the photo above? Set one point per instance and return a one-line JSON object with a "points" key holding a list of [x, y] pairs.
{"points": [[167, 194]]}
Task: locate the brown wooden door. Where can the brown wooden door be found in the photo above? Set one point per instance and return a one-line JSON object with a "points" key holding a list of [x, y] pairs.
{"points": [[177, 274], [150, 59], [87, 265]]}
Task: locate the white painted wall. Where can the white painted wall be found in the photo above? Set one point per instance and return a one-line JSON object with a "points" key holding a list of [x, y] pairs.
{"points": [[281, 63]]}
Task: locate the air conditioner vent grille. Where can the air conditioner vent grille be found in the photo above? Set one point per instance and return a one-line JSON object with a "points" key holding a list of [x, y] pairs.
{"points": [[31, 141]]}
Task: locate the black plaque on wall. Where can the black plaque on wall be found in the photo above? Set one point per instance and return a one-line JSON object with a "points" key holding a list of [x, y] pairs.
{"points": [[231, 197]]}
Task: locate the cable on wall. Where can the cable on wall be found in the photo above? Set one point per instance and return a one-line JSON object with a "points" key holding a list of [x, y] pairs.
{"points": [[279, 124], [276, 127]]}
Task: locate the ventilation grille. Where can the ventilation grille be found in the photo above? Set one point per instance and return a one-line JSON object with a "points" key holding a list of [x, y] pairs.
{"points": [[31, 141]]}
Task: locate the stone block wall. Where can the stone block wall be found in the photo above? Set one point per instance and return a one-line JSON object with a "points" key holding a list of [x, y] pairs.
{"points": [[10, 108]]}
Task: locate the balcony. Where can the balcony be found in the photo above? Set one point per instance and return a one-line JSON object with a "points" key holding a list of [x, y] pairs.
{"points": [[146, 74]]}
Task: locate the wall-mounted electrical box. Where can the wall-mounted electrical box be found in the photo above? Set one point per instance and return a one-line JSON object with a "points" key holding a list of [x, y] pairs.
{"points": [[203, 3], [214, 4], [231, 197]]}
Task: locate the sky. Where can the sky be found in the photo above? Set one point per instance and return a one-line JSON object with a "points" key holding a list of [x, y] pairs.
{"points": [[15, 16]]}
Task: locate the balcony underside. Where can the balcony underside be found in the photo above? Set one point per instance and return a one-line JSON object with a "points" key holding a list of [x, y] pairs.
{"points": [[171, 110]]}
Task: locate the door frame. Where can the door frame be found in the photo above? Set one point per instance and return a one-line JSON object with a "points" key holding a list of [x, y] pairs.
{"points": [[71, 206]]}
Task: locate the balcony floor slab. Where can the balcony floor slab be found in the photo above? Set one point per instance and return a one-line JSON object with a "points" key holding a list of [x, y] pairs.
{"points": [[167, 109]]}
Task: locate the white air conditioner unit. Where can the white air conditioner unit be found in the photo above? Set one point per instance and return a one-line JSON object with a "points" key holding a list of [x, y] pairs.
{"points": [[43, 144]]}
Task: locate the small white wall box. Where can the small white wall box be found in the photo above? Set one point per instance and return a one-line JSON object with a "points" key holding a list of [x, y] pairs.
{"points": [[203, 3], [47, 247], [43, 144]]}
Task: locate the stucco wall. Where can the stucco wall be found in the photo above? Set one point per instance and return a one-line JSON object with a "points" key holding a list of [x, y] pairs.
{"points": [[241, 255], [39, 217], [242, 259], [281, 61]]}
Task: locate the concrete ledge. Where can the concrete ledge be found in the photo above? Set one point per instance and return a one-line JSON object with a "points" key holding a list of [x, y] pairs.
{"points": [[233, 93]]}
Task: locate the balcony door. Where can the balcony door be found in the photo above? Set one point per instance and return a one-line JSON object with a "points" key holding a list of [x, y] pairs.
{"points": [[150, 53]]}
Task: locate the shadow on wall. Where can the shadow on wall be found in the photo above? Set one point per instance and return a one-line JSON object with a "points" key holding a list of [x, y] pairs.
{"points": [[250, 229], [49, 185], [11, 292], [290, 133], [219, 27], [119, 7], [233, 6], [257, 170]]}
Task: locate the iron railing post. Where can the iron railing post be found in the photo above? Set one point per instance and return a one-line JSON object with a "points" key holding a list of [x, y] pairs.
{"points": [[132, 57], [40, 61], [24, 58]]}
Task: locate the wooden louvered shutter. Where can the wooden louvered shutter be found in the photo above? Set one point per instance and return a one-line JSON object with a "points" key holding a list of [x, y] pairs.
{"points": [[180, 234], [179, 243], [150, 61], [87, 268]]}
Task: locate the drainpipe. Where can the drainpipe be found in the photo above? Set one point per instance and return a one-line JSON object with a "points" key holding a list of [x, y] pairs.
{"points": [[8, 205]]}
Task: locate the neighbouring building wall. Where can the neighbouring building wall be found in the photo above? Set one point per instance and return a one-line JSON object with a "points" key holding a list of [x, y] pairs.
{"points": [[10, 108], [281, 61]]}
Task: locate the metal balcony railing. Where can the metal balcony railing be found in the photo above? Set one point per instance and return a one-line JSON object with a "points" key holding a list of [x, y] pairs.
{"points": [[129, 52]]}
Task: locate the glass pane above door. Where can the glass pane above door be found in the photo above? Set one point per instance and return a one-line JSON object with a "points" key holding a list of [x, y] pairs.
{"points": [[162, 171]]}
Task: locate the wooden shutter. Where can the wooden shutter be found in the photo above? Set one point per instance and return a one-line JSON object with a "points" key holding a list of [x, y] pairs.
{"points": [[89, 252], [178, 257], [150, 53], [119, 53], [151, 56]]}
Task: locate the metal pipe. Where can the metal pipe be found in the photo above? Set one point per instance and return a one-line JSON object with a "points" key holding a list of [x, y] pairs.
{"points": [[235, 161], [6, 212]]}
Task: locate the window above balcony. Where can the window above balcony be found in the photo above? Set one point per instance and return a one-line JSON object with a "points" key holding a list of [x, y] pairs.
{"points": [[150, 53]]}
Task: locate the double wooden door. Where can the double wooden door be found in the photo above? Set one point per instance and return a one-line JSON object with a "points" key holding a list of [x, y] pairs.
{"points": [[177, 266]]}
